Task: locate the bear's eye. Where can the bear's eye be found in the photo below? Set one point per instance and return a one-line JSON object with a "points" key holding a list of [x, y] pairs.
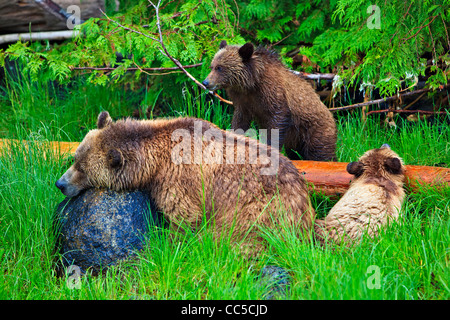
{"points": [[219, 68], [79, 166]]}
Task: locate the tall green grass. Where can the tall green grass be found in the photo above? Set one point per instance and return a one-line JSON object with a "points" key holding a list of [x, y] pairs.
{"points": [[66, 111], [418, 143], [412, 256]]}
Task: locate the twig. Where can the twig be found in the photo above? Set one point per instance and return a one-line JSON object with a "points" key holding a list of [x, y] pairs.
{"points": [[404, 16], [129, 29], [406, 111], [164, 50], [412, 103], [420, 28], [434, 48], [358, 105], [446, 33], [279, 41], [177, 63], [167, 54]]}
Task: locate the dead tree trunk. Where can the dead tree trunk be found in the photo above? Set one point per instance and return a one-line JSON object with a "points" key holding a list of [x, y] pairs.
{"points": [[18, 16]]}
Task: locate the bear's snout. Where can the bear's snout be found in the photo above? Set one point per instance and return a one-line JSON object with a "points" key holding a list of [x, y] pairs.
{"points": [[206, 83], [66, 188], [70, 183], [61, 185], [210, 84]]}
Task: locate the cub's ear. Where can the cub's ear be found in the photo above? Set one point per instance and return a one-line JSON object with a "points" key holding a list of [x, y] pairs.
{"points": [[223, 44], [355, 168], [103, 120], [115, 158], [246, 51], [393, 165]]}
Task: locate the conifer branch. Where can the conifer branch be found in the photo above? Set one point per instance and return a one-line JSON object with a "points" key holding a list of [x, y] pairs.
{"points": [[164, 50], [174, 60], [420, 28]]}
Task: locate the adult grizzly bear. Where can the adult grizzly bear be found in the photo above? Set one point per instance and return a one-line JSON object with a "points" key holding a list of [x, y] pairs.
{"points": [[193, 171], [374, 198], [262, 89]]}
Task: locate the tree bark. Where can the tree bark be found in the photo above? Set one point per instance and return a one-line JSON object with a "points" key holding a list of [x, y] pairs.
{"points": [[17, 16]]}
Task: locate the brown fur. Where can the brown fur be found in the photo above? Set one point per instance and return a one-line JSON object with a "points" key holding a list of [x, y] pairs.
{"points": [[374, 198], [262, 89], [131, 154]]}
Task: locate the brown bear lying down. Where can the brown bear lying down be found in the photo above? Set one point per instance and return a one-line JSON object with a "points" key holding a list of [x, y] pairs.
{"points": [[194, 171], [374, 198]]}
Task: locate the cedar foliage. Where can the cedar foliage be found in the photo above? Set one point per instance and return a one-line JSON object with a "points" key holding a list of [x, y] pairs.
{"points": [[377, 44]]}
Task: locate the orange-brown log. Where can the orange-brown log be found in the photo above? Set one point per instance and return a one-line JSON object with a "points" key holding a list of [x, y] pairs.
{"points": [[329, 178], [332, 178], [57, 147]]}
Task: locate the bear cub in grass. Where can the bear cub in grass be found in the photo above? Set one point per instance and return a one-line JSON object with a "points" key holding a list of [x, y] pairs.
{"points": [[265, 91], [374, 198], [194, 172]]}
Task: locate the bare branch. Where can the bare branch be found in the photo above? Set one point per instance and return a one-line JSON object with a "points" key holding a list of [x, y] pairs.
{"points": [[174, 60], [164, 50], [358, 105], [406, 111], [138, 68], [420, 28], [127, 28]]}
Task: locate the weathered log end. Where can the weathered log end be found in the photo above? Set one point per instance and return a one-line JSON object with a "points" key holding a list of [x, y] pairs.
{"points": [[17, 16]]}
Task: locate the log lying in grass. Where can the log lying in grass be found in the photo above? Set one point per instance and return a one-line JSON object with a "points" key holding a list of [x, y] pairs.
{"points": [[55, 147], [329, 178]]}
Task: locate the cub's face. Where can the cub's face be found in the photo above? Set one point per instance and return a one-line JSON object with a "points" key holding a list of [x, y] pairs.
{"points": [[382, 162], [228, 66], [94, 164]]}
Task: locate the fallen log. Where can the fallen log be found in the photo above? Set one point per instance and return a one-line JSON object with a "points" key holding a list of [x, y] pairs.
{"points": [[55, 147], [38, 36], [328, 178], [332, 178], [18, 16]]}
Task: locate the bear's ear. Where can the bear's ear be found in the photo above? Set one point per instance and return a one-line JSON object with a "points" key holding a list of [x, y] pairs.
{"points": [[246, 51], [393, 165], [222, 44], [355, 168], [114, 158], [103, 120]]}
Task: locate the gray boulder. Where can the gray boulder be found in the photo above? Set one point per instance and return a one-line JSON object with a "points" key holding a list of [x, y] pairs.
{"points": [[98, 228]]}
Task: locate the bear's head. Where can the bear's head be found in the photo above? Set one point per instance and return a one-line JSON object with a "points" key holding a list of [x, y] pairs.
{"points": [[232, 67], [378, 163], [101, 161]]}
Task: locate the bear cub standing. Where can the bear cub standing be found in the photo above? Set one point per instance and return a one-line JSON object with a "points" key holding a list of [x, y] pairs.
{"points": [[221, 183], [374, 198], [264, 90]]}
